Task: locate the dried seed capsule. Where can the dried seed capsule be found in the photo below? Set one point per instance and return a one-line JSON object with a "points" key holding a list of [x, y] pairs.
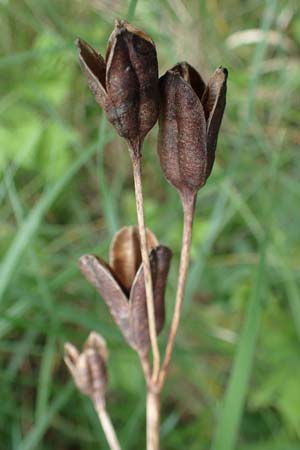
{"points": [[189, 122], [182, 134], [88, 368], [122, 285], [126, 83]]}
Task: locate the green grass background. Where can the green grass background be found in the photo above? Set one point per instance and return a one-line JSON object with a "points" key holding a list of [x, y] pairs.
{"points": [[66, 187]]}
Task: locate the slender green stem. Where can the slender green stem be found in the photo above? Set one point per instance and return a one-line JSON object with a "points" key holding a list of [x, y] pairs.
{"points": [[153, 418], [188, 204], [136, 163], [107, 427]]}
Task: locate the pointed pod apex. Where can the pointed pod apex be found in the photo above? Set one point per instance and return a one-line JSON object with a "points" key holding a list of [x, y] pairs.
{"points": [[97, 343], [191, 76], [71, 354], [119, 23], [221, 74], [94, 68], [223, 69], [77, 42], [214, 102]]}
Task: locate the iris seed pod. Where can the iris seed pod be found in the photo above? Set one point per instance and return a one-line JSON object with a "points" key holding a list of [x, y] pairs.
{"points": [[190, 118], [88, 368], [121, 284], [125, 84]]}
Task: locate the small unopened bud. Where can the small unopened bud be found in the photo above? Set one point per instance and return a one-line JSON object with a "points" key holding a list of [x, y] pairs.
{"points": [[125, 84], [190, 119], [88, 368]]}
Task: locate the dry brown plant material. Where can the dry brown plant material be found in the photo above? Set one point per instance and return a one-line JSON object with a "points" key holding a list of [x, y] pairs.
{"points": [[125, 83], [89, 372], [189, 123], [190, 118], [133, 283], [121, 284]]}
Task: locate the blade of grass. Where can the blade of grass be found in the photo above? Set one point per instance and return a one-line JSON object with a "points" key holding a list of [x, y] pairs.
{"points": [[19, 216], [23, 349], [231, 413], [108, 203], [13, 314], [45, 378], [228, 426], [34, 218], [32, 54], [36, 433], [131, 10], [256, 72], [292, 289], [129, 434]]}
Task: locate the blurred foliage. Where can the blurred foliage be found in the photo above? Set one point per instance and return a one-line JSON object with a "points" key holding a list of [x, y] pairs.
{"points": [[66, 187]]}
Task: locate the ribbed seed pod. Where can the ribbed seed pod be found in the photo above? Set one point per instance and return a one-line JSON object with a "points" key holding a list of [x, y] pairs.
{"points": [[189, 123], [125, 84]]}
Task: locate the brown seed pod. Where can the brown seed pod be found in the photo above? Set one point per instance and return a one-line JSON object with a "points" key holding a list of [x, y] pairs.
{"points": [[88, 368], [126, 83], [189, 122], [122, 286]]}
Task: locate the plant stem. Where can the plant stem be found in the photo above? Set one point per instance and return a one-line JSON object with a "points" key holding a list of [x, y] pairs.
{"points": [[188, 204], [136, 164], [153, 409], [108, 427], [146, 368]]}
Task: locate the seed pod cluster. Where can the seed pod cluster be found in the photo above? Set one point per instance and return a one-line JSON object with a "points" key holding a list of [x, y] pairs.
{"points": [[125, 84], [122, 286], [88, 368]]}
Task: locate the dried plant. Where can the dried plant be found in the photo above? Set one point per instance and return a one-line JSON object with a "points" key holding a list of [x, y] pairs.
{"points": [[121, 284], [88, 370], [125, 84], [133, 283]]}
